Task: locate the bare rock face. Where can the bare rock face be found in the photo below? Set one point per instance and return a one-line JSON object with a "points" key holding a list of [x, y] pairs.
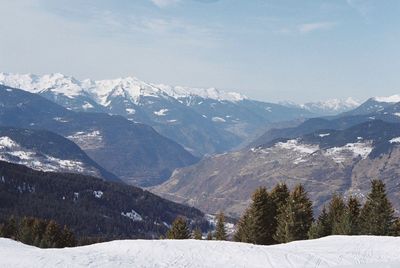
{"points": [[325, 162]]}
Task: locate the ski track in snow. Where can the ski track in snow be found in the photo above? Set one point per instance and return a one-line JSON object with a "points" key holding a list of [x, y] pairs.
{"points": [[334, 251]]}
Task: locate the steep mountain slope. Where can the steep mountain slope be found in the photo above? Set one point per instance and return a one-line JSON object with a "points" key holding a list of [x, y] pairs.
{"points": [[325, 161], [47, 151], [89, 206], [204, 121], [332, 251], [134, 152]]}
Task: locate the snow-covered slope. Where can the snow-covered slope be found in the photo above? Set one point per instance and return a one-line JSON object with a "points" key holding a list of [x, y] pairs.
{"points": [[47, 151], [334, 251]]}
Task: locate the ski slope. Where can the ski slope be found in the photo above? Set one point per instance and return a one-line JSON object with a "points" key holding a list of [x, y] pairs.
{"points": [[334, 251]]}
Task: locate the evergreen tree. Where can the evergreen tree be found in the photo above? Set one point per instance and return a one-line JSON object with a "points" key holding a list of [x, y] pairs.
{"points": [[179, 229], [321, 227], [336, 210], [38, 230], [25, 233], [296, 219], [220, 232], [51, 237], [244, 232], [67, 238], [349, 222], [280, 194], [263, 212], [197, 234], [9, 229], [396, 227], [377, 215], [209, 236]]}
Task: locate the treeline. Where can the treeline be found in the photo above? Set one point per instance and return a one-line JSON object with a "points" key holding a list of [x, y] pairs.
{"points": [[69, 199], [180, 229], [280, 216], [37, 232]]}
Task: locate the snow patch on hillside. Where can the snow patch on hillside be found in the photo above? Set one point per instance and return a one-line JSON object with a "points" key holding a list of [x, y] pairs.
{"points": [[333, 251], [6, 142], [98, 194], [395, 140], [133, 215], [295, 145], [161, 112], [218, 119], [340, 154], [12, 152]]}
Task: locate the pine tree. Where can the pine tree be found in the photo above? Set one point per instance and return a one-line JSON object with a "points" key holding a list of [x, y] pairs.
{"points": [[336, 210], [321, 227], [220, 232], [377, 215], [396, 227], [209, 236], [9, 229], [67, 238], [263, 212], [349, 222], [296, 219], [280, 194], [244, 232], [179, 229], [25, 233], [197, 234], [38, 230], [51, 237]]}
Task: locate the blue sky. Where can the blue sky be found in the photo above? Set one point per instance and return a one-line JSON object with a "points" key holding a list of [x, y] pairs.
{"points": [[298, 50]]}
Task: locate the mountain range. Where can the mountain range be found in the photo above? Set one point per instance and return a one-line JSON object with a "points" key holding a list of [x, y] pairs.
{"points": [[325, 161], [203, 120], [134, 152]]}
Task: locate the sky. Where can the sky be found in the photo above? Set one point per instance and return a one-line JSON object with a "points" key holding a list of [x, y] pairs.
{"points": [[271, 50]]}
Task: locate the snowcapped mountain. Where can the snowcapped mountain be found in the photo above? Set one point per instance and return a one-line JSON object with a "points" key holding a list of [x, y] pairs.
{"points": [[390, 99], [204, 121], [374, 105], [134, 152], [328, 107]]}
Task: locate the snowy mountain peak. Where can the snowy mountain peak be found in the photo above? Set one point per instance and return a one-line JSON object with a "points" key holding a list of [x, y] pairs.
{"points": [[390, 99], [335, 104], [56, 82], [128, 87], [206, 93], [328, 107]]}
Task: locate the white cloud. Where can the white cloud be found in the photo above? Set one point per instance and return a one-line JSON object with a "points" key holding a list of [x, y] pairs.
{"points": [[317, 26], [164, 3]]}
